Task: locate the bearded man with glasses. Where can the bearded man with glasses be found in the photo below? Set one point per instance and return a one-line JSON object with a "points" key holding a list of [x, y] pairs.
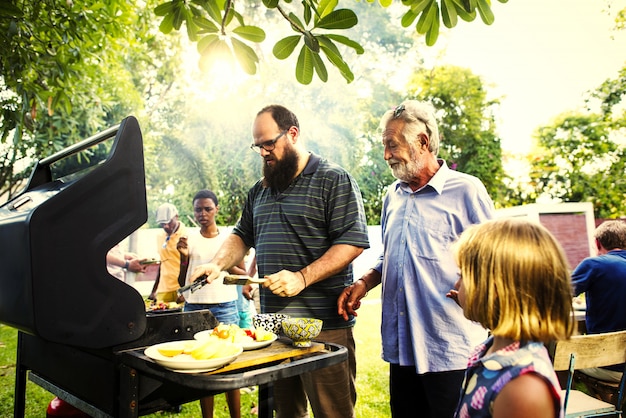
{"points": [[306, 220], [426, 338]]}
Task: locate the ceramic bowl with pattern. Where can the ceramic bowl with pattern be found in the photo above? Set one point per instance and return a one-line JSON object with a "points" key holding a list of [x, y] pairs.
{"points": [[271, 322], [302, 330]]}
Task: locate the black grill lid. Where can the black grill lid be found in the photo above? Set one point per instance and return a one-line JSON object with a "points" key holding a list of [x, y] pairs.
{"points": [[55, 235]]}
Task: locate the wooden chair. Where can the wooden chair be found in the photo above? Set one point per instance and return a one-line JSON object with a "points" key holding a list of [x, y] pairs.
{"points": [[585, 351]]}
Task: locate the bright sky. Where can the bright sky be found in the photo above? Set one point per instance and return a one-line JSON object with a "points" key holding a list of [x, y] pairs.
{"points": [[541, 56]]}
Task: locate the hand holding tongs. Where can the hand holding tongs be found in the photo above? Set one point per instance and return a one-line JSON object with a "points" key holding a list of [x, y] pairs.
{"points": [[197, 284], [228, 279]]}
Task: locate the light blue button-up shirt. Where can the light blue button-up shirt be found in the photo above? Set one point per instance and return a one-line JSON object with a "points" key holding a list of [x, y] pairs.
{"points": [[420, 326]]}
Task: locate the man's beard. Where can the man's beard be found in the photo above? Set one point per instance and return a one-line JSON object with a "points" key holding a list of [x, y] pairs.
{"points": [[408, 171], [280, 175]]}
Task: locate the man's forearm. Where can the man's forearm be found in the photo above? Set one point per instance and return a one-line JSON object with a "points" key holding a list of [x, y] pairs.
{"points": [[335, 259], [371, 279], [230, 254]]}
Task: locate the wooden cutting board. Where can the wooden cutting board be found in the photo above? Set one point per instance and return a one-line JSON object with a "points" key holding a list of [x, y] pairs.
{"points": [[279, 350]]}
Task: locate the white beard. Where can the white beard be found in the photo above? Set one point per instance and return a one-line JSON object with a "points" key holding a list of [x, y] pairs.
{"points": [[407, 171]]}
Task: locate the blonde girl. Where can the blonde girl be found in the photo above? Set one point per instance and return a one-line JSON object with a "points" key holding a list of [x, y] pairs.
{"points": [[515, 281]]}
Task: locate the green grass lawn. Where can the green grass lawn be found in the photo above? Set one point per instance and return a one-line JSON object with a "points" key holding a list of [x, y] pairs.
{"points": [[372, 375]]}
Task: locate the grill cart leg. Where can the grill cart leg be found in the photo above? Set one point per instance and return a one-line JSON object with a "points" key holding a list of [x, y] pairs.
{"points": [[19, 403], [266, 401], [129, 407]]}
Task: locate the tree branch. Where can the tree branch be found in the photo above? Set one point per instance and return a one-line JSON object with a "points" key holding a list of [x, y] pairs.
{"points": [[226, 10], [294, 24]]}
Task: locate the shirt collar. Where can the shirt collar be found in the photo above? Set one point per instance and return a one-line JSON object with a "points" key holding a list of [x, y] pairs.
{"points": [[312, 164]]}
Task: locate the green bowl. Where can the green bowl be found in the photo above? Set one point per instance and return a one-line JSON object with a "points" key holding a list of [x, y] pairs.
{"points": [[302, 330]]}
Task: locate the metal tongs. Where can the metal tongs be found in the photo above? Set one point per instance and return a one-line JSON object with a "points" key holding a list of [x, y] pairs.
{"points": [[197, 284], [227, 279]]}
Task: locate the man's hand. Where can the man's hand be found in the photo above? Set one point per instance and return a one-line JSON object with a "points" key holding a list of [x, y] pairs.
{"points": [[212, 271], [350, 299], [246, 291], [285, 283], [134, 265], [454, 295], [182, 246]]}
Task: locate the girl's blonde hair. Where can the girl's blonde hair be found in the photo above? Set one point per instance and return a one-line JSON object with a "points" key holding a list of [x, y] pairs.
{"points": [[516, 280]]}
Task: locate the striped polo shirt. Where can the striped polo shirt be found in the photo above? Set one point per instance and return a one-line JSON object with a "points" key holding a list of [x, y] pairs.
{"points": [[290, 230]]}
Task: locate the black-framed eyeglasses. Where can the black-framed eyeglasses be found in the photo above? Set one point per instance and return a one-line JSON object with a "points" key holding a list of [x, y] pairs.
{"points": [[398, 111], [267, 145]]}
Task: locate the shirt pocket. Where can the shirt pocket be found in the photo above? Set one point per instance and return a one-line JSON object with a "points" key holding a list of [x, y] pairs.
{"points": [[430, 238]]}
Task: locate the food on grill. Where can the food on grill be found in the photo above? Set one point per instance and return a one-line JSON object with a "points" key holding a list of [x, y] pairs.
{"points": [[152, 306]]}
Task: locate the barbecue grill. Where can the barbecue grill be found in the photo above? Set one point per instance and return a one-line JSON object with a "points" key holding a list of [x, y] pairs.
{"points": [[81, 332]]}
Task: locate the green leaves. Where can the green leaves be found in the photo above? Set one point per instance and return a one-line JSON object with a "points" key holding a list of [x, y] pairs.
{"points": [[250, 33], [448, 13], [485, 12], [430, 11], [312, 21], [334, 56], [304, 69], [285, 47], [339, 19], [315, 45], [165, 8], [246, 57], [214, 17], [579, 161]]}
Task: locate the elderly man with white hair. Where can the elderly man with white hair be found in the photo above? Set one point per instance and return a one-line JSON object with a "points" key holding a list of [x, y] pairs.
{"points": [[425, 336]]}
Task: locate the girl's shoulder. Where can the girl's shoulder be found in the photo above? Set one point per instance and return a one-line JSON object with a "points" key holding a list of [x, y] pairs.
{"points": [[516, 371], [513, 400]]}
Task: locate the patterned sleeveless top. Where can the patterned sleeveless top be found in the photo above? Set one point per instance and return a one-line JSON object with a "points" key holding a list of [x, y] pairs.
{"points": [[486, 376]]}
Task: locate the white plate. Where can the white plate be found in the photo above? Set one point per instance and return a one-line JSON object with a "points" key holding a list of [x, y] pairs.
{"points": [[254, 344], [185, 363], [247, 343]]}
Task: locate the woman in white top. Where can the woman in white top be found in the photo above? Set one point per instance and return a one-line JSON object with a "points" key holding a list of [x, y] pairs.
{"points": [[217, 297]]}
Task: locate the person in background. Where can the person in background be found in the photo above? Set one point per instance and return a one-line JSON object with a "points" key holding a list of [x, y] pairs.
{"points": [[603, 281], [514, 281], [245, 307], [169, 277], [245, 302], [306, 220], [119, 262], [217, 297], [425, 337]]}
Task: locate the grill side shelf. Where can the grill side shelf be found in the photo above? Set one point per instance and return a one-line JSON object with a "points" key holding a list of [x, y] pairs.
{"points": [[251, 368]]}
